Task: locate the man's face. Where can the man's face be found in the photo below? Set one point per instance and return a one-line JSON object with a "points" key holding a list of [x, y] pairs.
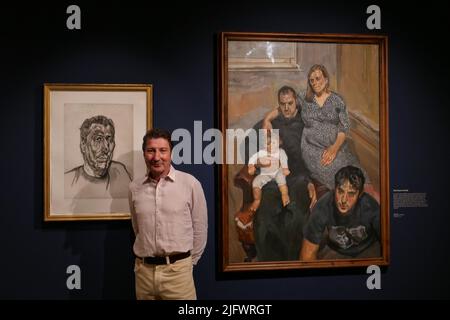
{"points": [[98, 148], [318, 82], [346, 197], [157, 155], [287, 105]]}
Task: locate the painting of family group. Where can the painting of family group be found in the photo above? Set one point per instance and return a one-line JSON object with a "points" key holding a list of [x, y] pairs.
{"points": [[310, 190]]}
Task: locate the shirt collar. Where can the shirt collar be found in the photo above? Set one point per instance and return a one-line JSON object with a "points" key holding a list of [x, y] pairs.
{"points": [[170, 176]]}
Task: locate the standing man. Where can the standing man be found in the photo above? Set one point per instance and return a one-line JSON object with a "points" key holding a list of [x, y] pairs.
{"points": [[169, 217], [345, 221]]}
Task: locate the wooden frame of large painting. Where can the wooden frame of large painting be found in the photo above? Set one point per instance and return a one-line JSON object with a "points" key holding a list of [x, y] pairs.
{"points": [[305, 177]]}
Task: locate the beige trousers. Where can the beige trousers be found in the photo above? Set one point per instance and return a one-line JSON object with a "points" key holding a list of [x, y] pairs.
{"points": [[166, 281]]}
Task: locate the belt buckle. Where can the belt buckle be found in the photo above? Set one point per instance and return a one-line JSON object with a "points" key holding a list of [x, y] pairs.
{"points": [[167, 260]]}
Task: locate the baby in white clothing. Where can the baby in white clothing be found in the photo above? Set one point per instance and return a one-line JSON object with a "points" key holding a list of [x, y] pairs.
{"points": [[273, 163]]}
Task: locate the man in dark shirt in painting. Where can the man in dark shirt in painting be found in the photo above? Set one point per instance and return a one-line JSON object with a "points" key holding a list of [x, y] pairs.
{"points": [[345, 223], [278, 229]]}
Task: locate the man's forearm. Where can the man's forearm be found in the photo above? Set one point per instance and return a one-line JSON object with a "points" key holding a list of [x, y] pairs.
{"points": [[309, 251]]}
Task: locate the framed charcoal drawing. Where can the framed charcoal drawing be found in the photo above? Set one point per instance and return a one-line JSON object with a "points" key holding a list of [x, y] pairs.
{"points": [[92, 148], [321, 199]]}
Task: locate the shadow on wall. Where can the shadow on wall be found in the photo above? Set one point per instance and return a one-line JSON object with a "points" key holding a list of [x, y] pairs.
{"points": [[105, 256], [118, 274]]}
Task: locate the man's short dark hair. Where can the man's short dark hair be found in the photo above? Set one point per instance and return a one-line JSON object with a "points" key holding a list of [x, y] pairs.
{"points": [[86, 126], [286, 90], [156, 133], [353, 174]]}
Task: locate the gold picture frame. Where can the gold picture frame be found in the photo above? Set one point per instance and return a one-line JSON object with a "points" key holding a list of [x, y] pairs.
{"points": [[358, 70], [92, 148]]}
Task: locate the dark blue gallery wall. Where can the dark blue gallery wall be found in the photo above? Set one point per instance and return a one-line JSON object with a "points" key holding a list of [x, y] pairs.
{"points": [[173, 47]]}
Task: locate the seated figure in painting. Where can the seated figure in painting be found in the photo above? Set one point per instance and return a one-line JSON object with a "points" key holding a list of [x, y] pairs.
{"points": [[274, 231], [273, 164]]}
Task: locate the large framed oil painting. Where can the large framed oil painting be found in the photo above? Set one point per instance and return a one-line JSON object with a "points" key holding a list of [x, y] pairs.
{"points": [[305, 178]]}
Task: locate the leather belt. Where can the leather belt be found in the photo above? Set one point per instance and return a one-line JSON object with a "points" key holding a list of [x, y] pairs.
{"points": [[165, 259]]}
